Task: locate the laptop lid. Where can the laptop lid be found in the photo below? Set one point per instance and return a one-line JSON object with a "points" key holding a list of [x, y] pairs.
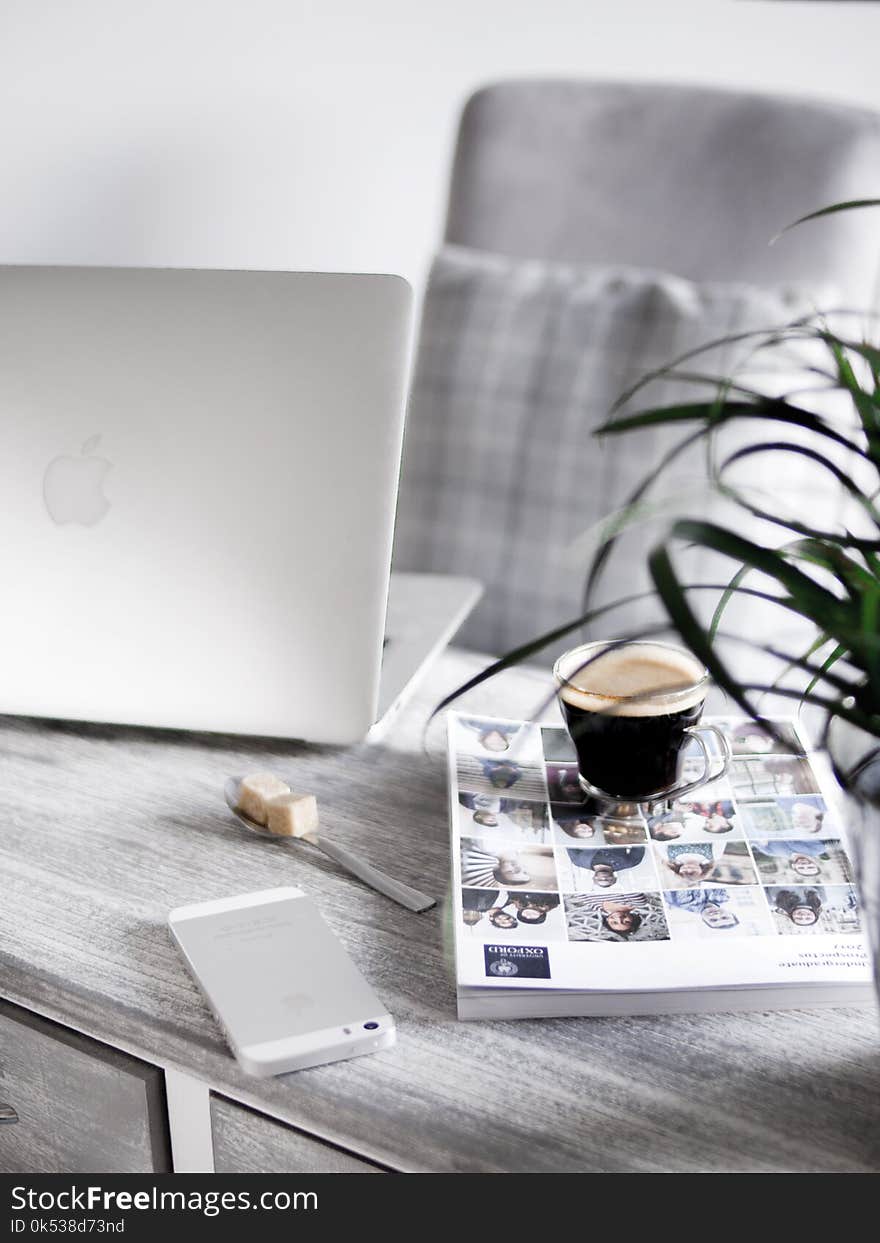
{"points": [[199, 474]]}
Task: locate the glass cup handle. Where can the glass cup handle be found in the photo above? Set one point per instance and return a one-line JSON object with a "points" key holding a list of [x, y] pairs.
{"points": [[707, 775], [723, 745]]}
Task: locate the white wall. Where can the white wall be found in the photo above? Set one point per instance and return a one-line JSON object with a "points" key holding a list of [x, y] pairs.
{"points": [[317, 133]]}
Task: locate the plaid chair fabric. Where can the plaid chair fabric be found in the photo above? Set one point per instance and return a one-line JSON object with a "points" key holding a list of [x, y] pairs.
{"points": [[519, 361]]}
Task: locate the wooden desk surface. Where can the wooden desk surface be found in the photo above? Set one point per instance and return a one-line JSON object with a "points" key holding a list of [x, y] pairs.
{"points": [[104, 830]]}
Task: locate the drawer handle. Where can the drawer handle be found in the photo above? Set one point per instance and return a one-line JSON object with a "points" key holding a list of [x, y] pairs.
{"points": [[7, 1114]]}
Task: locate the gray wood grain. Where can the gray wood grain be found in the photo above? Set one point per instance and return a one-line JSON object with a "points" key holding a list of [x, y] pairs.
{"points": [[106, 829], [246, 1142], [82, 1107]]}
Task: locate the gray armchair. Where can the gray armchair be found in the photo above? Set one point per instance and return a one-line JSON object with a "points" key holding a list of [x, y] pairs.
{"points": [[686, 179], [596, 230]]}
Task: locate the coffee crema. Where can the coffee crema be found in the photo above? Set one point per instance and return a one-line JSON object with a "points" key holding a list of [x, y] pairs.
{"points": [[634, 679]]}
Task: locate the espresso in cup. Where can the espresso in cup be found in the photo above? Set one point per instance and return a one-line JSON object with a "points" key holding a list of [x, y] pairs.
{"points": [[630, 708]]}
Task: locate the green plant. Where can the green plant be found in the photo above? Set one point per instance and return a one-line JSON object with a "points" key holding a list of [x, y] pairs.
{"points": [[831, 578]]}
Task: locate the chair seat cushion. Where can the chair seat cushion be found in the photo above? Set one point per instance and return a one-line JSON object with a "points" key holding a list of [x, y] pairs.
{"points": [[519, 362]]}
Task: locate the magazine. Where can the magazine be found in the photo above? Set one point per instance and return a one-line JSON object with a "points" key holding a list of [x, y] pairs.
{"points": [[738, 896]]}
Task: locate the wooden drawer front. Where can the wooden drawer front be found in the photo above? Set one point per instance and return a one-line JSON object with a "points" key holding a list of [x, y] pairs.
{"points": [[246, 1142], [82, 1107]]}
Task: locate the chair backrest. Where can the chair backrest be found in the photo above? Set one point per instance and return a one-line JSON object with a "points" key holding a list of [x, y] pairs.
{"points": [[688, 179], [521, 355]]}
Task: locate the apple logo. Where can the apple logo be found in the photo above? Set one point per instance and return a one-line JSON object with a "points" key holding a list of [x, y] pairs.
{"points": [[73, 487]]}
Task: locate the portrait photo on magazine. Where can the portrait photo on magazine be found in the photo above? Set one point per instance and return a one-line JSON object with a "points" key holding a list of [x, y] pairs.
{"points": [[810, 861], [513, 740], [755, 738], [687, 865], [479, 774], [697, 822], [563, 785], [772, 776], [503, 819], [804, 815], [486, 865], [717, 912], [814, 909], [573, 823], [600, 869], [509, 915], [626, 917]]}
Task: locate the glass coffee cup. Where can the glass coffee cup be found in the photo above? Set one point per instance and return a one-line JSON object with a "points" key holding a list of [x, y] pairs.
{"points": [[632, 708]]}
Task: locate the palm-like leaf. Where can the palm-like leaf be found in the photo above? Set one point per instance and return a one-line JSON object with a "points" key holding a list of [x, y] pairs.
{"points": [[851, 205]]}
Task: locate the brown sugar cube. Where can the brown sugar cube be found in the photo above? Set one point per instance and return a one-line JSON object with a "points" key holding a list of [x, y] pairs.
{"points": [[255, 791], [292, 815]]}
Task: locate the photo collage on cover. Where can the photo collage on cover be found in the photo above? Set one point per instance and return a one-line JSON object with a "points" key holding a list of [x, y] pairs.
{"points": [[756, 853]]}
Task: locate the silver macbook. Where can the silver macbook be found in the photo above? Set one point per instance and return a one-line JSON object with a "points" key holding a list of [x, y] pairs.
{"points": [[199, 475]]}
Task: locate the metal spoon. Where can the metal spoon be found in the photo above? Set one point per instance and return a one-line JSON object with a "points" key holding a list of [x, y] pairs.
{"points": [[412, 899]]}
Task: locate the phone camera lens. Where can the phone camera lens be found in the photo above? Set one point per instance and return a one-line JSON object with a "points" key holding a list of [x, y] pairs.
{"points": [[371, 1027]]}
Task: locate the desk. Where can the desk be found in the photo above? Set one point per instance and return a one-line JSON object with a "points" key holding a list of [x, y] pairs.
{"points": [[105, 829]]}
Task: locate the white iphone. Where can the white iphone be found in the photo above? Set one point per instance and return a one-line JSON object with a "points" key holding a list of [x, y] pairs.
{"points": [[284, 990]]}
